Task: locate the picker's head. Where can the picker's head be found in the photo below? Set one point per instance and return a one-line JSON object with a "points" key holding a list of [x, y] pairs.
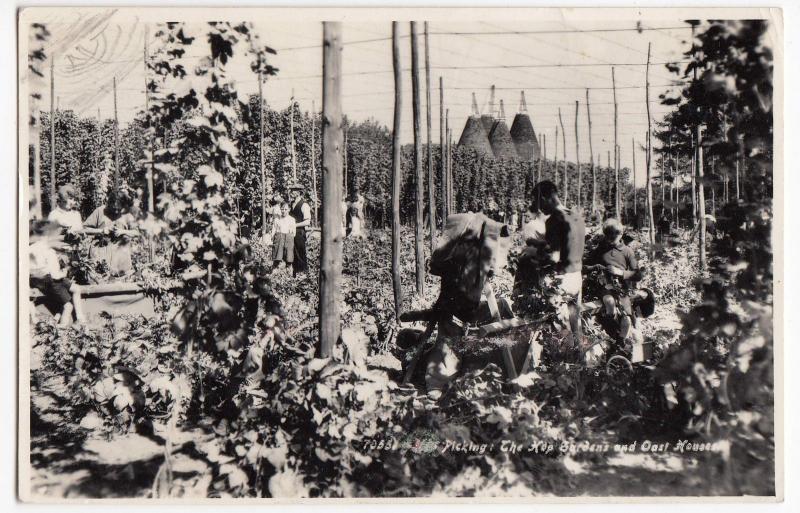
{"points": [[296, 190], [545, 197]]}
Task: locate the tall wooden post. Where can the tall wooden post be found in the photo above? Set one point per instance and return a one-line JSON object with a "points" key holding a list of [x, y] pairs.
{"points": [[578, 157], [418, 176], [396, 173], [610, 191], [633, 159], [344, 164], [442, 163], [544, 156], [564, 150], [431, 191], [36, 124], [616, 159], [651, 221], [150, 186], [291, 138], [591, 154], [314, 160], [694, 182], [53, 133], [701, 203], [555, 158], [447, 163], [261, 154], [330, 269], [116, 140]]}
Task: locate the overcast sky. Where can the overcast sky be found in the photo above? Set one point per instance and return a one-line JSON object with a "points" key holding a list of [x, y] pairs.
{"points": [[554, 66]]}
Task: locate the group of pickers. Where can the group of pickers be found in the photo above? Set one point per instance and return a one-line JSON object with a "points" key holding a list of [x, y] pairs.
{"points": [[554, 247], [116, 223]]}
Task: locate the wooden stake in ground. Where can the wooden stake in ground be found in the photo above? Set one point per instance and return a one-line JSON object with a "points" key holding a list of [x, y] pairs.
{"points": [[116, 140], [578, 157], [591, 154], [396, 173], [651, 221], [616, 159], [314, 160], [701, 198], [418, 176], [431, 192], [261, 155], [564, 150], [442, 163], [330, 269], [53, 133]]}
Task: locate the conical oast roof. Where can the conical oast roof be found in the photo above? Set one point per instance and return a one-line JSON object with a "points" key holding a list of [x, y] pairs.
{"points": [[501, 141], [524, 137], [488, 123], [474, 136]]}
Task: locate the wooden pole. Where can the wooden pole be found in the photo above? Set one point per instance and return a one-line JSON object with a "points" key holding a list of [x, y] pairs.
{"points": [[616, 160], [53, 133], [261, 155], [116, 140], [314, 160], [564, 150], [701, 198], [291, 135], [578, 157], [713, 186], [442, 163], [396, 173], [544, 156], [633, 160], [608, 177], [418, 176], [150, 186], [36, 200], [447, 163], [431, 191], [694, 183], [555, 157], [591, 154], [330, 269], [344, 164], [649, 186]]}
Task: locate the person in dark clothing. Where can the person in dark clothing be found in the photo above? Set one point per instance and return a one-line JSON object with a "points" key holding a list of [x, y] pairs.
{"points": [[565, 234], [621, 272], [663, 226], [302, 216]]}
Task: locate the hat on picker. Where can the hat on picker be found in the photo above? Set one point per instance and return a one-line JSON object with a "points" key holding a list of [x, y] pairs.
{"points": [[295, 186]]}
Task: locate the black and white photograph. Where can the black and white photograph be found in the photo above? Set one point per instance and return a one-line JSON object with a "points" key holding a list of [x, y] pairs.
{"points": [[425, 254]]}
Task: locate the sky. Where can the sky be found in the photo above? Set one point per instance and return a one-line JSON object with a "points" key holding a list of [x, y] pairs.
{"points": [[553, 60]]}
